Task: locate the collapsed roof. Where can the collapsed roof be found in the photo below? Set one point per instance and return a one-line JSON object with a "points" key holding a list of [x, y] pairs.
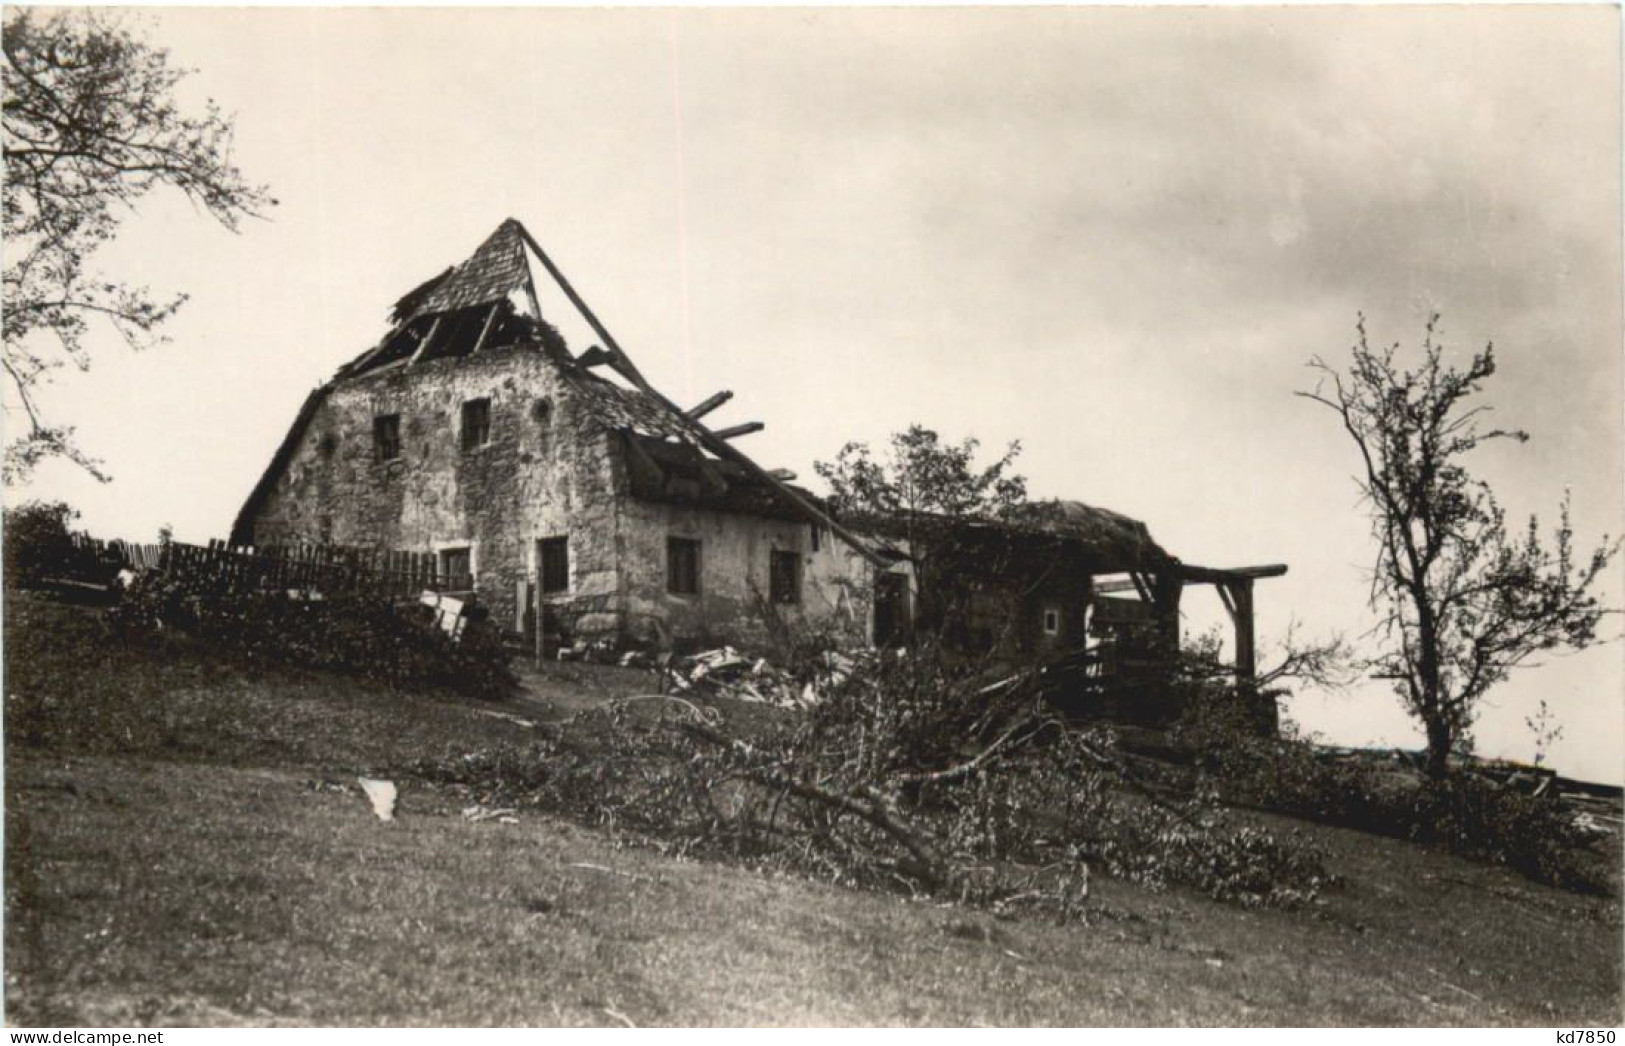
{"points": [[1102, 532], [494, 298]]}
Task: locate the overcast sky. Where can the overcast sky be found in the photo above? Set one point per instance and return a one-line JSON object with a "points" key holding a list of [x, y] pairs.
{"points": [[1114, 234]]}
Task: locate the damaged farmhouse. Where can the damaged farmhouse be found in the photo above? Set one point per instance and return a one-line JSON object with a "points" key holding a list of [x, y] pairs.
{"points": [[553, 476]]}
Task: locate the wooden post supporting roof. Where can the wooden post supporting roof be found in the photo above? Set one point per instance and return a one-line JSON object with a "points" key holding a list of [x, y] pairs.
{"points": [[1235, 587], [1166, 590], [1241, 597], [706, 438]]}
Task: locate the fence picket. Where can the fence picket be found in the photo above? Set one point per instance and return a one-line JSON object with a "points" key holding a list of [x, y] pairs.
{"points": [[336, 569]]}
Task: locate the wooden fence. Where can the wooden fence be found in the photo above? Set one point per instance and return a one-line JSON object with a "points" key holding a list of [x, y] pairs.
{"points": [[331, 569]]}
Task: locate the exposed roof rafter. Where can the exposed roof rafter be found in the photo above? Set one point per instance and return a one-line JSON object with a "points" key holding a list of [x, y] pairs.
{"points": [[707, 439]]}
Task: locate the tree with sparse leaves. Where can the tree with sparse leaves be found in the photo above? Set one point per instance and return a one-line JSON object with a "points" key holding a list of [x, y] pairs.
{"points": [[918, 491], [1462, 599], [923, 475], [91, 125]]}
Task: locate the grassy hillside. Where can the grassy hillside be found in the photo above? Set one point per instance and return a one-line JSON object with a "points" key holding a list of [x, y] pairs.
{"points": [[185, 843]]}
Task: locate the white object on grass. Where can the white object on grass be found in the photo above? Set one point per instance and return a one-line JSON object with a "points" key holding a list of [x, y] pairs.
{"points": [[382, 795]]}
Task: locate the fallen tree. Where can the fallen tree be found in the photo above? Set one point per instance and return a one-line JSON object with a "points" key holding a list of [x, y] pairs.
{"points": [[910, 772]]}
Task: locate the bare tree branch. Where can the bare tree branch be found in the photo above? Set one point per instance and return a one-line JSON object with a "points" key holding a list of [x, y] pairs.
{"points": [[90, 127]]}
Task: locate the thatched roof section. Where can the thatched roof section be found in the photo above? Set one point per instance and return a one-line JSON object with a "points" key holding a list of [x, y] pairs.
{"points": [[1104, 532], [1107, 542]]}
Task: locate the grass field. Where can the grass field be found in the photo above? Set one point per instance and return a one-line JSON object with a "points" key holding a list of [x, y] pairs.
{"points": [[186, 844]]}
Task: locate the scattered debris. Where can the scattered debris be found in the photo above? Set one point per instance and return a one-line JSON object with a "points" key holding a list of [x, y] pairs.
{"points": [[381, 794], [450, 612], [607, 871], [1590, 824], [728, 673], [597, 651], [508, 717], [501, 815]]}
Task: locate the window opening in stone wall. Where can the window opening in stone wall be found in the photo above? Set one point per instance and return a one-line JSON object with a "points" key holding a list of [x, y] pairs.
{"points": [[1052, 621], [682, 566], [386, 436], [476, 423], [554, 567], [457, 567], [784, 577]]}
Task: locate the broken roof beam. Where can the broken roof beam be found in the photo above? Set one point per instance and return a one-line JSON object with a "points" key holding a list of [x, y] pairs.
{"points": [[485, 331], [1214, 576], [735, 431], [428, 339], [357, 364], [645, 470], [715, 485], [594, 357], [709, 404], [719, 447]]}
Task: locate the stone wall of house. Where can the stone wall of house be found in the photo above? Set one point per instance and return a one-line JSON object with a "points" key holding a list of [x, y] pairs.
{"points": [[547, 470], [732, 603]]}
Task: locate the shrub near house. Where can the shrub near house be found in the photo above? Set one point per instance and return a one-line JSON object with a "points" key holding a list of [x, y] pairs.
{"points": [[361, 632]]}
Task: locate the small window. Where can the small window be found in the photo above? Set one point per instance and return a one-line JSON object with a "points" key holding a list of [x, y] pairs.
{"points": [[476, 423], [1052, 621], [386, 436], [555, 564], [542, 411], [784, 577], [682, 566], [457, 567], [817, 537]]}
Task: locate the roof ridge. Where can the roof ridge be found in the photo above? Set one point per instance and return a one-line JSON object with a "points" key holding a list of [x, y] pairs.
{"points": [[495, 269]]}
